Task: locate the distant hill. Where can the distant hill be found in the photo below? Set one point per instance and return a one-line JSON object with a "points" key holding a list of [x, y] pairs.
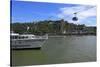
{"points": [[52, 27]]}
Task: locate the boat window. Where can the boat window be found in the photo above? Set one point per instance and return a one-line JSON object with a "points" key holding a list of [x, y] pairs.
{"points": [[13, 37], [26, 37], [19, 37], [16, 37], [22, 37]]}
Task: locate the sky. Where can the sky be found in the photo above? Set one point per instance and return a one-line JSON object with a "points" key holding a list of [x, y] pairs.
{"points": [[24, 11]]}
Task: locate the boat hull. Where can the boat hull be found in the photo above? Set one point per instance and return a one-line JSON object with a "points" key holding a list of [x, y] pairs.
{"points": [[27, 43]]}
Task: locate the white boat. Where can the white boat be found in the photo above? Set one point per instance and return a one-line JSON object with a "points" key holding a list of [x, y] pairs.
{"points": [[22, 41]]}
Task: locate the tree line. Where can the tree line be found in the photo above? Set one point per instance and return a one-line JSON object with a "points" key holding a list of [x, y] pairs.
{"points": [[51, 27]]}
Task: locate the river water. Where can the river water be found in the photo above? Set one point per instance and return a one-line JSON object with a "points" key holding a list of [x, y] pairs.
{"points": [[68, 49]]}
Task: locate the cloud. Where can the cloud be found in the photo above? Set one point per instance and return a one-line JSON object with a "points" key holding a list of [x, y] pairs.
{"points": [[84, 13]]}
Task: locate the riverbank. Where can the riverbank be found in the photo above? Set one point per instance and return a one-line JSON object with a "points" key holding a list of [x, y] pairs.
{"points": [[59, 35], [68, 35]]}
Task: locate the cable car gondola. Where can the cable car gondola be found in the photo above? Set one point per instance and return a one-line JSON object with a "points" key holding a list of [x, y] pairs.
{"points": [[75, 18]]}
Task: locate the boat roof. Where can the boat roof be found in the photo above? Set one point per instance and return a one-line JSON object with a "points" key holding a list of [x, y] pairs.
{"points": [[27, 35], [14, 34], [17, 34]]}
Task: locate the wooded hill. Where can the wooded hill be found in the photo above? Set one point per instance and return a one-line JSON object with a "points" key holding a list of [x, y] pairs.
{"points": [[52, 27]]}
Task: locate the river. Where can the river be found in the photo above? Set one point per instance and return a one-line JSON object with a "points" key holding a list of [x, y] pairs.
{"points": [[68, 49]]}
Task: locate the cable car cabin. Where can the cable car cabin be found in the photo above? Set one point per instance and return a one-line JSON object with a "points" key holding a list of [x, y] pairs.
{"points": [[75, 19]]}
